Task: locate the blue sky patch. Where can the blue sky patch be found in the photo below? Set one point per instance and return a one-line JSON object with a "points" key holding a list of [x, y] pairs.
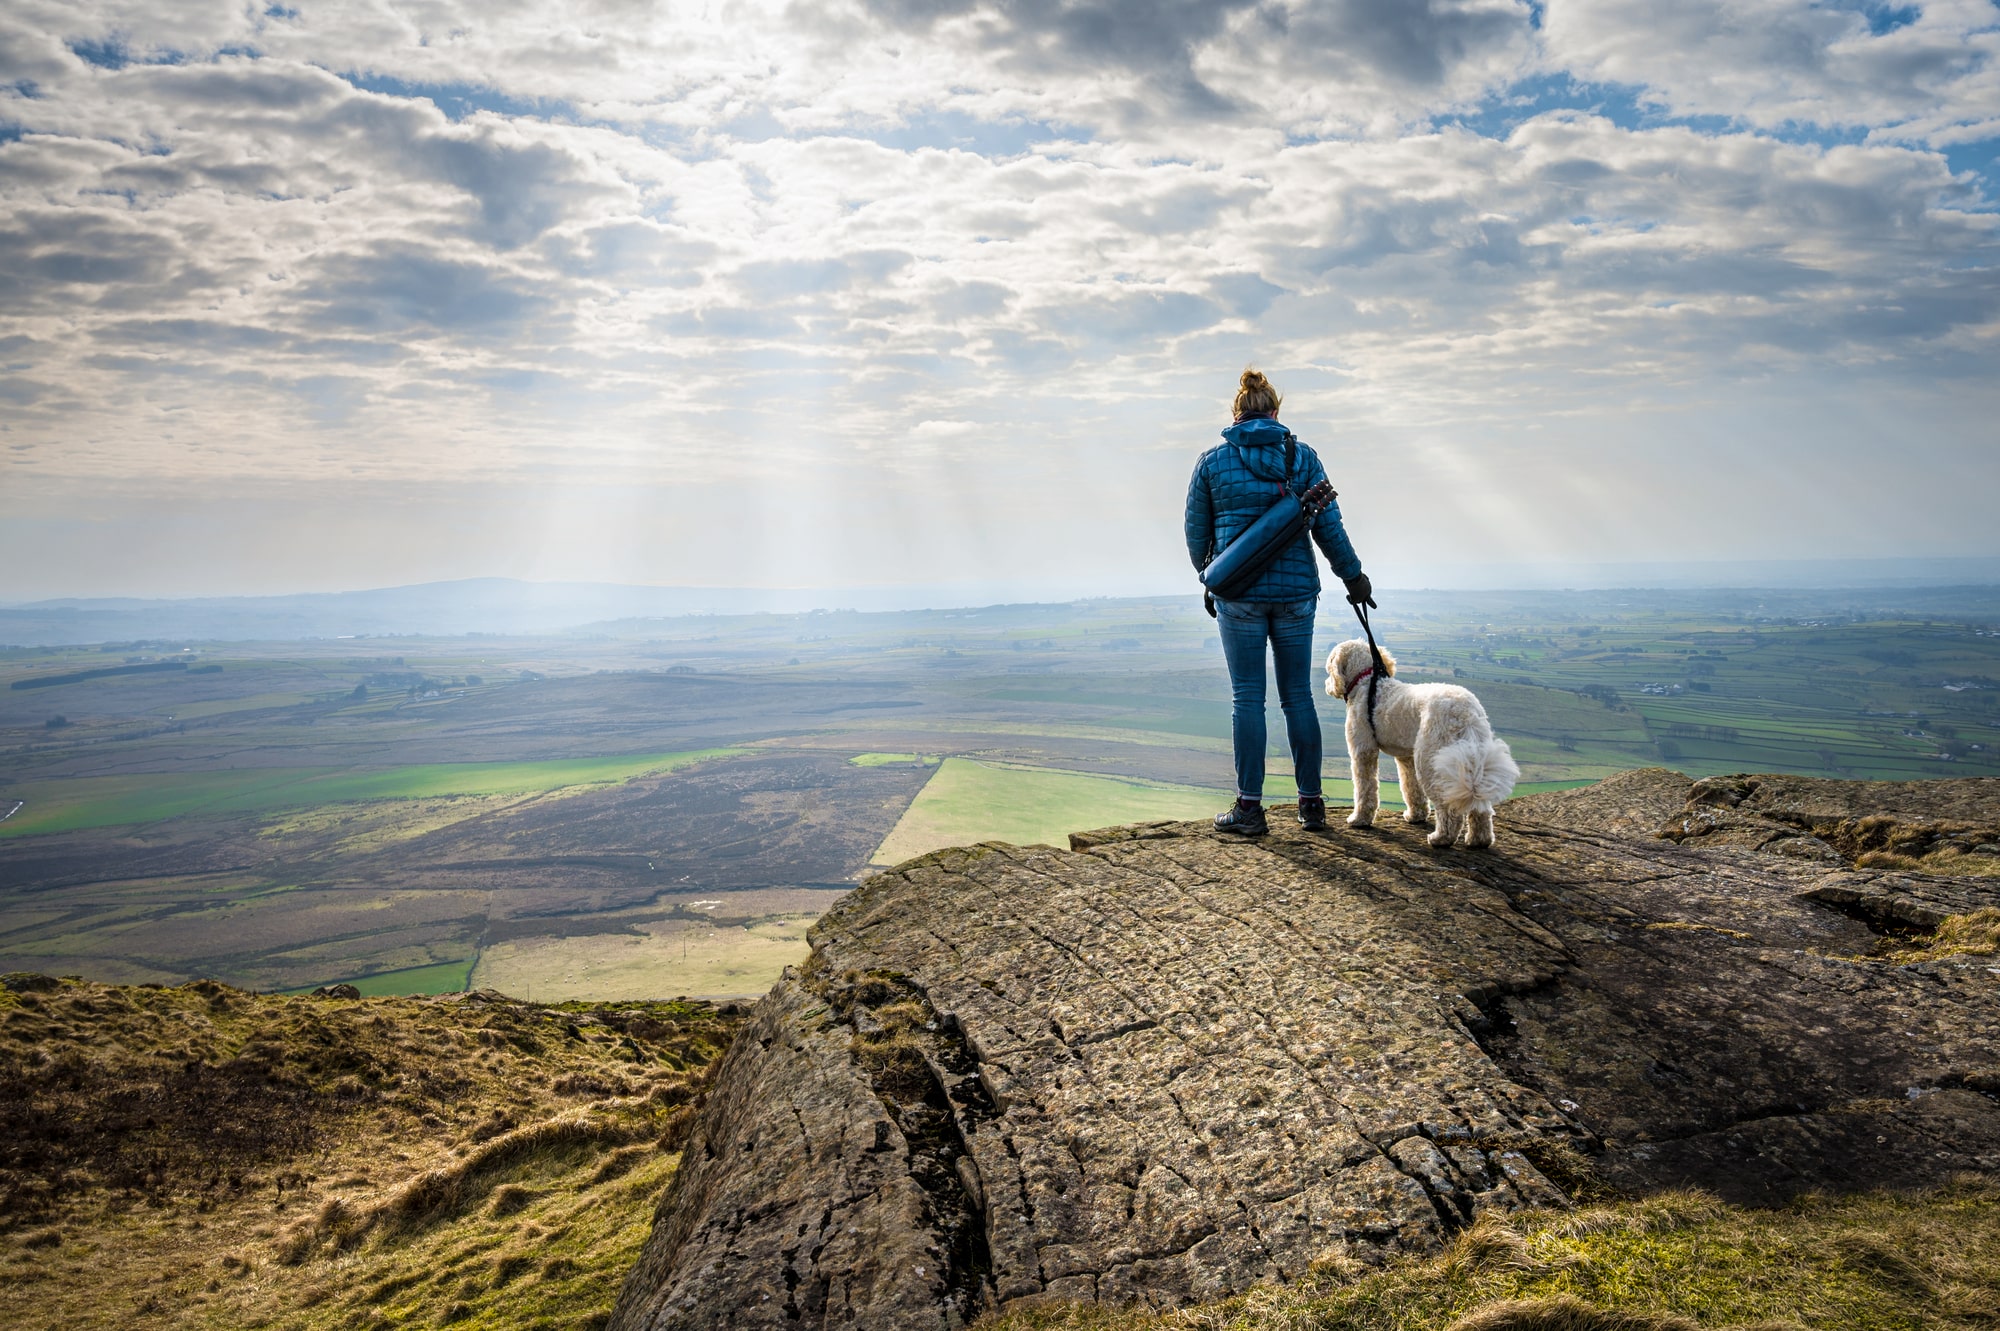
{"points": [[956, 129], [459, 100], [1882, 18], [109, 53], [1506, 111], [112, 52], [1983, 159]]}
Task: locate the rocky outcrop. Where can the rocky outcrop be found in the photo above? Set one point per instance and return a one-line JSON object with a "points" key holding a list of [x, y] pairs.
{"points": [[1163, 1066], [1859, 822]]}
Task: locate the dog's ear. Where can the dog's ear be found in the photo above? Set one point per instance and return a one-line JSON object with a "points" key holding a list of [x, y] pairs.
{"points": [[1388, 662], [1336, 668]]}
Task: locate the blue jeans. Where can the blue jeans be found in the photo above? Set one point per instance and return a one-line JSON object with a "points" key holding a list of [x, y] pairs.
{"points": [[1288, 627]]}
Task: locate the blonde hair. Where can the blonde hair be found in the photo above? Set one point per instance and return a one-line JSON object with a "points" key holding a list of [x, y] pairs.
{"points": [[1255, 396]]}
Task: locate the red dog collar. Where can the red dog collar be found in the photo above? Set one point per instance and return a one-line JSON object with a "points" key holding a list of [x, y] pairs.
{"points": [[1349, 690]]}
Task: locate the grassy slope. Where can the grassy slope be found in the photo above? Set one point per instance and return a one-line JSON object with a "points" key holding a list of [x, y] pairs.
{"points": [[1671, 1263], [107, 801], [203, 1157]]}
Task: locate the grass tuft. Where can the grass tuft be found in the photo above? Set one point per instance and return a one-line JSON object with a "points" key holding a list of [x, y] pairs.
{"points": [[1491, 1244], [1562, 1313], [1973, 934]]}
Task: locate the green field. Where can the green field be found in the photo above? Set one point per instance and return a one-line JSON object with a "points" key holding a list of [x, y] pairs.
{"points": [[148, 797], [970, 801], [1880, 698], [395, 829], [446, 978]]}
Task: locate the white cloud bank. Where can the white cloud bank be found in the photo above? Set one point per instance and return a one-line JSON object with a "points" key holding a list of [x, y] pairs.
{"points": [[336, 294]]}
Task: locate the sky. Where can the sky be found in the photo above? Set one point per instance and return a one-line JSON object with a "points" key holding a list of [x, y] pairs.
{"points": [[314, 296]]}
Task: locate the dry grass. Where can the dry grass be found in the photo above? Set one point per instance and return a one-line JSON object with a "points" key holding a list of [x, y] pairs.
{"points": [[1674, 1262], [1883, 841], [1949, 861], [1974, 934], [204, 1157], [667, 956], [1491, 1244]]}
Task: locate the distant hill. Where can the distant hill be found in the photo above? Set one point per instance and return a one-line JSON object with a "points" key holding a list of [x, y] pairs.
{"points": [[514, 606], [472, 605]]}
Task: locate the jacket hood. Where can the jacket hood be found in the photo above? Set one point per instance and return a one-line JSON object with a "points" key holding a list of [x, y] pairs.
{"points": [[1260, 441], [1256, 432]]}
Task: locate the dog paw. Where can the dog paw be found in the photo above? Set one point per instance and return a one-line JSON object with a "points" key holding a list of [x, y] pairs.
{"points": [[1477, 842], [1440, 839], [1417, 816], [1360, 819]]}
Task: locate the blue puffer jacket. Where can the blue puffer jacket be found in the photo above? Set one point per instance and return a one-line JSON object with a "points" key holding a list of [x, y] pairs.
{"points": [[1232, 486]]}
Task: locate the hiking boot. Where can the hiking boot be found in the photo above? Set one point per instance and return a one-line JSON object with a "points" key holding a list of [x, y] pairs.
{"points": [[1245, 818], [1312, 812]]}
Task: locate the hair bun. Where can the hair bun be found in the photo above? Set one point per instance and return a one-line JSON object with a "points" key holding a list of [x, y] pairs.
{"points": [[1255, 396]]}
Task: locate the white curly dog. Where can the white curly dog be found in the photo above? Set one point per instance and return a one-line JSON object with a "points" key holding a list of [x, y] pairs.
{"points": [[1446, 753]]}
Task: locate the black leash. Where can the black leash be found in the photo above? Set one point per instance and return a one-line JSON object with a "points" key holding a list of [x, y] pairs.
{"points": [[1374, 654]]}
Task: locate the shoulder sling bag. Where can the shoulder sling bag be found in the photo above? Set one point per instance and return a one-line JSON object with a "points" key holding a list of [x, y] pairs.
{"points": [[1257, 547]]}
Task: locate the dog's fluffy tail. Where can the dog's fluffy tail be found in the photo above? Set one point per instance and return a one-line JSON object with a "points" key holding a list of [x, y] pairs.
{"points": [[1474, 772]]}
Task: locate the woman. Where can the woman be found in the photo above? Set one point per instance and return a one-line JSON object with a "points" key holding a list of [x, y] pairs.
{"points": [[1232, 486]]}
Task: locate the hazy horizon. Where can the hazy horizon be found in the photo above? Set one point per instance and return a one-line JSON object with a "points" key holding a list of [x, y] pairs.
{"points": [[1963, 591], [367, 294], [1693, 575]]}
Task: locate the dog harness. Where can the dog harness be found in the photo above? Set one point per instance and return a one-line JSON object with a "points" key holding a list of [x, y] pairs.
{"points": [[1349, 690]]}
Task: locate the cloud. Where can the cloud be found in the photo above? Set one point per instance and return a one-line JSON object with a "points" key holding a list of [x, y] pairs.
{"points": [[631, 250], [1125, 318], [400, 289], [451, 242], [1915, 72], [1225, 59]]}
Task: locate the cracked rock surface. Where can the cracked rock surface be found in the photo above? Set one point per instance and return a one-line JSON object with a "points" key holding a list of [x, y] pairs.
{"points": [[1164, 1065]]}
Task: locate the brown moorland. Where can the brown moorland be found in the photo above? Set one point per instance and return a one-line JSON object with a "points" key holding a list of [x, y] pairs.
{"points": [[205, 1157]]}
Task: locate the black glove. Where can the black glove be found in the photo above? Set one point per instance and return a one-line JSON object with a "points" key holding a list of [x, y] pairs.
{"points": [[1208, 603], [1360, 591]]}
